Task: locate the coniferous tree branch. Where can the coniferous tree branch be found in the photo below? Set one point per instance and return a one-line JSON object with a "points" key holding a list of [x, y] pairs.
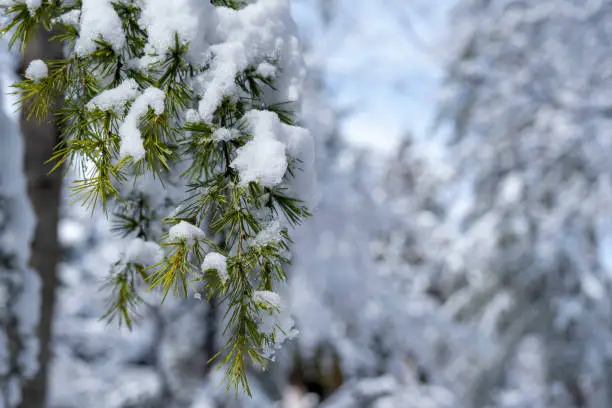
{"points": [[133, 114]]}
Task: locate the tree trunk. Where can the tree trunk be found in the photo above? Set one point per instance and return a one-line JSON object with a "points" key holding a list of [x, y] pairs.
{"points": [[45, 191]]}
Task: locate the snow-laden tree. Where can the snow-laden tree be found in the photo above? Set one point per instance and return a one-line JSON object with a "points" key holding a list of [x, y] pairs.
{"points": [[528, 103], [19, 285], [180, 117]]}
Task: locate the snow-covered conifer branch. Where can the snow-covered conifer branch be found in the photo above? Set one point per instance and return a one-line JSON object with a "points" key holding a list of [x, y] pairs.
{"points": [[149, 87]]}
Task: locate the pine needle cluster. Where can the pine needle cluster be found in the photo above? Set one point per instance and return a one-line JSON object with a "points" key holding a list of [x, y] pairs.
{"points": [[231, 212]]}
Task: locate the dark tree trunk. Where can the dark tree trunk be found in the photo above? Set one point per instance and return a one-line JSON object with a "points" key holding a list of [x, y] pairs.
{"points": [[45, 192]]}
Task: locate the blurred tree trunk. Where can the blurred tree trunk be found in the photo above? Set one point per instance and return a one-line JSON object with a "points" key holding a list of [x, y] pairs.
{"points": [[44, 190]]}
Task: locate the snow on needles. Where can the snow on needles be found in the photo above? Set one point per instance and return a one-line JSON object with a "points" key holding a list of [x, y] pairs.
{"points": [[215, 260], [99, 19], [223, 134], [72, 17], [271, 233], [165, 19], [192, 115], [227, 41], [131, 138], [185, 231], [263, 159], [267, 298], [274, 319], [244, 36], [115, 99], [36, 70], [266, 70]]}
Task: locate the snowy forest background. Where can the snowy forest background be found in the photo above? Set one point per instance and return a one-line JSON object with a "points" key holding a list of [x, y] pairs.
{"points": [[461, 252]]}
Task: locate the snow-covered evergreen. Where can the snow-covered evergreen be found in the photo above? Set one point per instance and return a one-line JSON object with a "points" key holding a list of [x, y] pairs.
{"points": [[191, 139]]}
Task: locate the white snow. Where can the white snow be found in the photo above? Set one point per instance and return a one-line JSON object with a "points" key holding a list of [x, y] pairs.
{"points": [[99, 19], [301, 148], [131, 138], [243, 37], [263, 159], [511, 189], [274, 320], [145, 253], [72, 17], [71, 233], [91, 353], [271, 233], [266, 70], [223, 134], [37, 70], [284, 330], [115, 98], [33, 5], [379, 385], [185, 231], [164, 19], [27, 307], [268, 298], [215, 260]]}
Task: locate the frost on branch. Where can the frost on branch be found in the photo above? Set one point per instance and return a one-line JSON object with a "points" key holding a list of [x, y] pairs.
{"points": [[184, 118]]}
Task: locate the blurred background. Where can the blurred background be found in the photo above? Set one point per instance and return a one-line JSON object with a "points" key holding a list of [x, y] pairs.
{"points": [[461, 255]]}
